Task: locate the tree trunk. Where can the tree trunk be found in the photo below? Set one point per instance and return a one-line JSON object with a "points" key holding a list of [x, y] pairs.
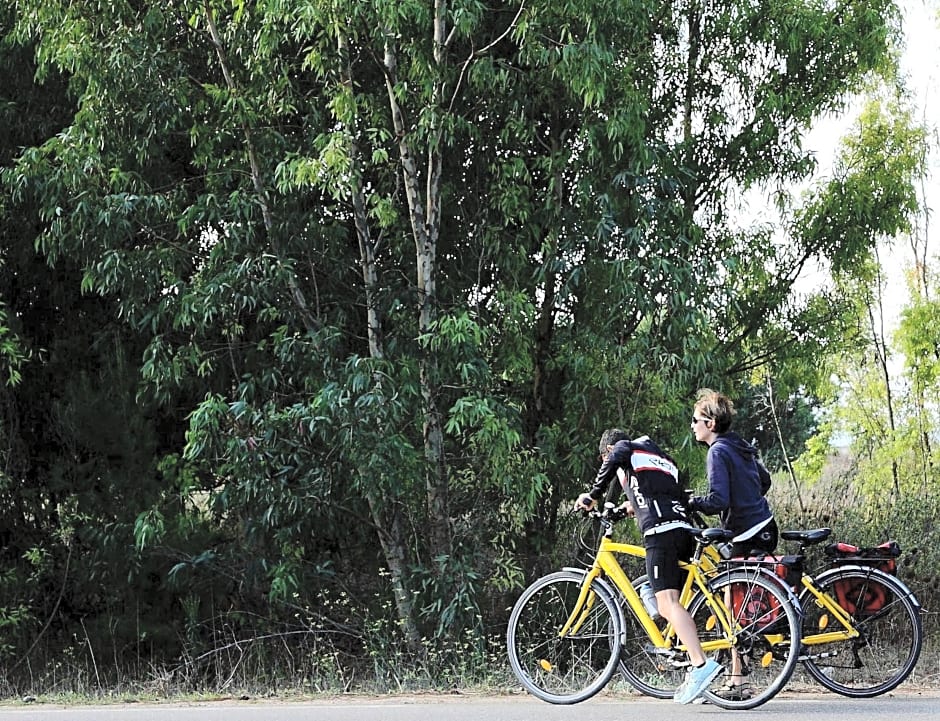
{"points": [[310, 321], [386, 516], [783, 447], [691, 72], [876, 324], [424, 214], [393, 539]]}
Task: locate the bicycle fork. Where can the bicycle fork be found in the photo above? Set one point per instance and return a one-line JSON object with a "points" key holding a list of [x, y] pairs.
{"points": [[582, 607]]}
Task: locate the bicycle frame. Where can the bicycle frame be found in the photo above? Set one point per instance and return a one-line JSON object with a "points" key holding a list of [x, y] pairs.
{"points": [[822, 599], [607, 566]]}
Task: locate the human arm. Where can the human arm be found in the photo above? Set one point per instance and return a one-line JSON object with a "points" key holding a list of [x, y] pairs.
{"points": [[718, 497], [587, 501], [618, 457]]}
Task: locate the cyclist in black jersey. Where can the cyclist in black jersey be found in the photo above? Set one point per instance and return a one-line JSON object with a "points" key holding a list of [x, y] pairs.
{"points": [[650, 479]]}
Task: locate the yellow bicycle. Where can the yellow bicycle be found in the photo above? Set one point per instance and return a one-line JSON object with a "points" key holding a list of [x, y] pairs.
{"points": [[862, 630], [570, 631]]}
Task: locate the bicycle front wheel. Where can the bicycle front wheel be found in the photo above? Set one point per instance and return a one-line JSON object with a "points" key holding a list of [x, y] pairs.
{"points": [[765, 618], [887, 618], [558, 655]]}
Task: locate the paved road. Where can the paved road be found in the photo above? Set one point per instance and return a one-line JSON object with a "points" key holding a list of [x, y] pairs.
{"points": [[787, 707]]}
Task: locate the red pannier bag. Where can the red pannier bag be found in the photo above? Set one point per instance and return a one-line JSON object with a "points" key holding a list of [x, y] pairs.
{"points": [[755, 605], [858, 596]]}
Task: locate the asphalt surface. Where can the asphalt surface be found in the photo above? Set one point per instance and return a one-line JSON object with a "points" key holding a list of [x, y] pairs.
{"points": [[912, 705]]}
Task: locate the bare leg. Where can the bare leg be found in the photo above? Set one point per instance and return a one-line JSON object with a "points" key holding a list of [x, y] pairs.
{"points": [[735, 677], [678, 616]]}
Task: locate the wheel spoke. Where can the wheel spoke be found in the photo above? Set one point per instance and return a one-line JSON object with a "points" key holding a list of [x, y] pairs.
{"points": [[890, 629]]}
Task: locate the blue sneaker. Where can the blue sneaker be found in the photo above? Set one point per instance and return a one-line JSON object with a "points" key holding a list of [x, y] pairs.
{"points": [[696, 681]]}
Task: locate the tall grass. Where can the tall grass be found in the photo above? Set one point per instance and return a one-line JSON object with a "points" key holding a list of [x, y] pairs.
{"points": [[341, 642]]}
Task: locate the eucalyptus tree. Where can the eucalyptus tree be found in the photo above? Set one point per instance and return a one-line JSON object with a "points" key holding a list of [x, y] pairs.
{"points": [[725, 93], [742, 83], [886, 152], [211, 180], [422, 253]]}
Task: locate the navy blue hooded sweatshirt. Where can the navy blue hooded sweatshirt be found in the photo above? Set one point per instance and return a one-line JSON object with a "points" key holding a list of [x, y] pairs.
{"points": [[737, 483]]}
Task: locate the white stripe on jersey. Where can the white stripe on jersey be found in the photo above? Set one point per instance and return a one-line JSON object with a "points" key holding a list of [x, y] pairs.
{"points": [[646, 461], [622, 475]]}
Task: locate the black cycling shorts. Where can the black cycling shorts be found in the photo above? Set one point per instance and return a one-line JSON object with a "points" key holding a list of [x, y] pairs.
{"points": [[663, 553]]}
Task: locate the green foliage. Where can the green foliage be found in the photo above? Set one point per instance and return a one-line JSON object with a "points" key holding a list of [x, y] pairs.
{"points": [[873, 193], [11, 357], [917, 340], [285, 243]]}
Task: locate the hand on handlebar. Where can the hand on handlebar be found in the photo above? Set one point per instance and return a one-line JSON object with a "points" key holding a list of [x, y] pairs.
{"points": [[584, 502], [694, 514], [617, 513]]}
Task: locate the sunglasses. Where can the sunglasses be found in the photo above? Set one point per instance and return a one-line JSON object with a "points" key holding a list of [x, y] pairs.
{"points": [[699, 420]]}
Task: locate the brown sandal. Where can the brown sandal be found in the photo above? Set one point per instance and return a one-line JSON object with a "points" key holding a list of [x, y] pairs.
{"points": [[734, 691]]}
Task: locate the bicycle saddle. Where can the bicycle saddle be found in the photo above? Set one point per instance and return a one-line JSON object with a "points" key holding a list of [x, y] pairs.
{"points": [[814, 535], [715, 535]]}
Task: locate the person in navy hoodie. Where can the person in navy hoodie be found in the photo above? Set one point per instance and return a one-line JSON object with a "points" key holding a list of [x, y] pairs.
{"points": [[737, 480], [737, 486]]}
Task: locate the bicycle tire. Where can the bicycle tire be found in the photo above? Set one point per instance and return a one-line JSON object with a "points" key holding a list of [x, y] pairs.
{"points": [[563, 669], [767, 640], [891, 637], [652, 671]]}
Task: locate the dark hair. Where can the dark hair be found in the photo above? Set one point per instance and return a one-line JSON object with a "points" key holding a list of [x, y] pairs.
{"points": [[610, 437]]}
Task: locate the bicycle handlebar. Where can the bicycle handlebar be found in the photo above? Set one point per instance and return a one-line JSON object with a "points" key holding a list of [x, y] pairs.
{"points": [[702, 532]]}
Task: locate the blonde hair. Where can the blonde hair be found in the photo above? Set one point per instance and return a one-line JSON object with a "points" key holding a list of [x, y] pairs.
{"points": [[715, 405]]}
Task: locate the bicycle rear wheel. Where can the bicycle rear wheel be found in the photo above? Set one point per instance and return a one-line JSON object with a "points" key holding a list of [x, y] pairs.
{"points": [[571, 667], [766, 618], [656, 672], [888, 619]]}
